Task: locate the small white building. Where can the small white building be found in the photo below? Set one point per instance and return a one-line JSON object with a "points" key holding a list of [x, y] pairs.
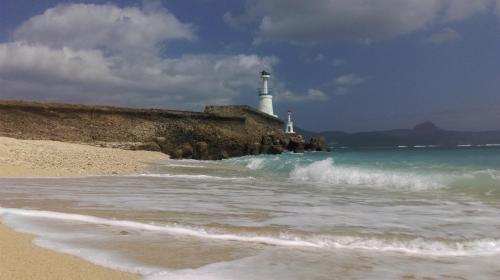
{"points": [[289, 124], [265, 96]]}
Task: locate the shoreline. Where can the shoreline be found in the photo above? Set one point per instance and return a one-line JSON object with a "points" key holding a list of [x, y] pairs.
{"points": [[20, 258]]}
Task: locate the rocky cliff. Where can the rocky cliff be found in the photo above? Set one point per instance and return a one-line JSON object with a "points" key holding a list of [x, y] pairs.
{"points": [[218, 132]]}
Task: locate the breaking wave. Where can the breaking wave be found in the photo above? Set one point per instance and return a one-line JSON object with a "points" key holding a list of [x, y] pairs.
{"points": [[255, 163], [326, 171]]}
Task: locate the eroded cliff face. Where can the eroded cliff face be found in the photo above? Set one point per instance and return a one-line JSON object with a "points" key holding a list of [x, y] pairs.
{"points": [[219, 132]]}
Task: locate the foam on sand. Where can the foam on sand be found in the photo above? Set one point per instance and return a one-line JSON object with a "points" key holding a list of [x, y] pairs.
{"points": [[184, 165], [194, 177], [414, 246], [21, 260]]}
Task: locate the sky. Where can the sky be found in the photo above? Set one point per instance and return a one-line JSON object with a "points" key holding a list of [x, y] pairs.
{"points": [[351, 65]]}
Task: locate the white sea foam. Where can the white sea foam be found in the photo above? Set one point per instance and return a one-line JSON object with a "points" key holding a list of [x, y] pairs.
{"points": [[327, 172], [426, 146], [490, 173], [255, 163], [185, 165], [416, 246], [194, 176]]}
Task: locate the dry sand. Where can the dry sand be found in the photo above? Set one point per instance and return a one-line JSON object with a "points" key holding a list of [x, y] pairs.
{"points": [[36, 158], [19, 258]]}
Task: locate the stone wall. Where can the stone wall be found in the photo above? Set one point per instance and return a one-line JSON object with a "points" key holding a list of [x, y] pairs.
{"points": [[219, 132]]}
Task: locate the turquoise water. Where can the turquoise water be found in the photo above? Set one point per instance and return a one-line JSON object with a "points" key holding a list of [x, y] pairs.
{"points": [[474, 171], [404, 213], [419, 159]]}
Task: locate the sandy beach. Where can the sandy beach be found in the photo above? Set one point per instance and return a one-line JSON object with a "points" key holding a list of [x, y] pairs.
{"points": [[19, 258], [41, 158]]}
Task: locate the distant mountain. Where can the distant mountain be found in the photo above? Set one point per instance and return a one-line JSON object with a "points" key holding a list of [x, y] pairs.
{"points": [[424, 134]]}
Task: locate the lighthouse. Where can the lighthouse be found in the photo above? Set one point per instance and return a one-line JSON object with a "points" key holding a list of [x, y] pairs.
{"points": [[265, 96], [289, 123]]}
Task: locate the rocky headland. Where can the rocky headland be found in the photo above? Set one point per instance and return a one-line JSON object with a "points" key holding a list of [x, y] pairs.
{"points": [[217, 133]]}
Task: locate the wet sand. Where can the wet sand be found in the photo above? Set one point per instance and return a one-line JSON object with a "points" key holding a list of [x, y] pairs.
{"points": [[19, 257]]}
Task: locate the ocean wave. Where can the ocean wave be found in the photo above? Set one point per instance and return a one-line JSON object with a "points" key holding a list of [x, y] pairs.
{"points": [[255, 163], [277, 163], [487, 173], [484, 182], [326, 171], [414, 246]]}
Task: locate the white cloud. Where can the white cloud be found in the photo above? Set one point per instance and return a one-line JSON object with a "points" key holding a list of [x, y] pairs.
{"points": [[357, 20], [349, 80], [446, 35], [126, 31], [311, 95], [88, 76], [110, 55], [345, 83], [19, 61]]}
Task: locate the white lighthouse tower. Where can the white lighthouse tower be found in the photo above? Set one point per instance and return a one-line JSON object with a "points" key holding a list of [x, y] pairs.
{"points": [[265, 96], [289, 124]]}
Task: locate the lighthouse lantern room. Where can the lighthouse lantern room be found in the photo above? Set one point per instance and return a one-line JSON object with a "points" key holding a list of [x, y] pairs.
{"points": [[265, 96]]}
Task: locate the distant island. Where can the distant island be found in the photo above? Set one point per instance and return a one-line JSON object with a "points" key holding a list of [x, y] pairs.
{"points": [[424, 134]]}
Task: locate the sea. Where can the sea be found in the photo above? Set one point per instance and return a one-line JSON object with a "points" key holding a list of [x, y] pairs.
{"points": [[402, 213]]}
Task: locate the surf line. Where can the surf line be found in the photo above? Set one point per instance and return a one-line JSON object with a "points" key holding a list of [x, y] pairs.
{"points": [[479, 247], [200, 233]]}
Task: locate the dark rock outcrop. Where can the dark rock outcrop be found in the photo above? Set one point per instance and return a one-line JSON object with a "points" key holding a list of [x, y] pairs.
{"points": [[296, 143], [187, 151], [223, 155], [254, 149], [316, 144], [201, 151], [275, 150]]}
